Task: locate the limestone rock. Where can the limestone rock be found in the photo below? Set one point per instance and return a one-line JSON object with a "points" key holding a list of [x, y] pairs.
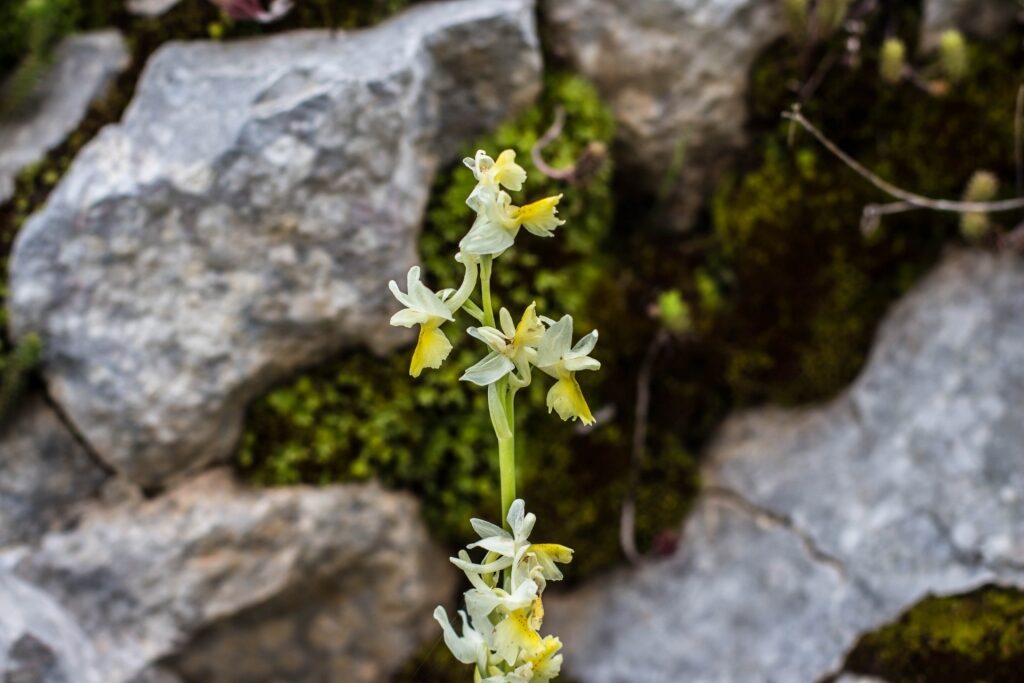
{"points": [[215, 581], [84, 68], [150, 8], [675, 74], [821, 524], [244, 218], [45, 474], [39, 642]]}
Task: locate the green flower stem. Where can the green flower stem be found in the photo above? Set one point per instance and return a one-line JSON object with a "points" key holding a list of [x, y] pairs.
{"points": [[507, 453], [507, 465], [485, 287]]}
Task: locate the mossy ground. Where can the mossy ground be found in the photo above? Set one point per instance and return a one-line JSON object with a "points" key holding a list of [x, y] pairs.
{"points": [[973, 638]]}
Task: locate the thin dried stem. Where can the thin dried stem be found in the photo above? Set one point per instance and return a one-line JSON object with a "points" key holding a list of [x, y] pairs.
{"points": [[586, 165], [873, 213], [885, 186], [1018, 146], [627, 517], [550, 135]]}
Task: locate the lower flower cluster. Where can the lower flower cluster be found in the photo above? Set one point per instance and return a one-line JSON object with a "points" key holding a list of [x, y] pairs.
{"points": [[500, 635]]}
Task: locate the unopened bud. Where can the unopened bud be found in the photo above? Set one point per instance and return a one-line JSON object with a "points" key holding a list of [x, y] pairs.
{"points": [[894, 54]]}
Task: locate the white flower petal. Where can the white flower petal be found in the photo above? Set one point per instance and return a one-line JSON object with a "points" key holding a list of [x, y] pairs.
{"points": [[581, 363], [486, 529], [407, 317], [426, 301], [494, 339], [584, 346], [502, 545], [400, 295], [508, 327], [487, 237], [493, 367], [466, 648], [486, 568], [556, 341], [516, 513]]}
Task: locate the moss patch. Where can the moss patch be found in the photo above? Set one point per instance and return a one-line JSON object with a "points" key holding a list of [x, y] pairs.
{"points": [[363, 417], [806, 289], [973, 638]]}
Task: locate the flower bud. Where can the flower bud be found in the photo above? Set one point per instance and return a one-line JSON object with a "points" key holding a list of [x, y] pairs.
{"points": [[893, 60], [982, 187], [953, 55]]}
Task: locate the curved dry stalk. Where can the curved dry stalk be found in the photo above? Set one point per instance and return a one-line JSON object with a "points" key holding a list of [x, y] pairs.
{"points": [[627, 516], [906, 198], [586, 165], [1018, 147]]}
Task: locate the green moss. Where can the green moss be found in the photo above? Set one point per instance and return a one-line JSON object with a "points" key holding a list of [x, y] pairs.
{"points": [[15, 373], [806, 288], [972, 638], [364, 417]]}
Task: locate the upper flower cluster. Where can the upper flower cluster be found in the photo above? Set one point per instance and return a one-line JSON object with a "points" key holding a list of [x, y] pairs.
{"points": [[513, 348], [500, 635]]}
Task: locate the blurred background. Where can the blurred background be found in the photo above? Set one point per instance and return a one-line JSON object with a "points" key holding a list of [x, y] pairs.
{"points": [[809, 450]]}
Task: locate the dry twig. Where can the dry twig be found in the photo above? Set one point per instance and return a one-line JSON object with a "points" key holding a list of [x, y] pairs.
{"points": [[908, 201], [586, 165]]}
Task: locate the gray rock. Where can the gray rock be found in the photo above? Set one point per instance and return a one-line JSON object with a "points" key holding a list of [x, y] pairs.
{"points": [[150, 8], [39, 642], [45, 474], [675, 75], [980, 18], [244, 219], [820, 524], [84, 68], [214, 581]]}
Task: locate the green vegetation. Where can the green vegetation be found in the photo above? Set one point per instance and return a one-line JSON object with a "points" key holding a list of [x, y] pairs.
{"points": [[15, 370], [973, 638], [806, 289]]}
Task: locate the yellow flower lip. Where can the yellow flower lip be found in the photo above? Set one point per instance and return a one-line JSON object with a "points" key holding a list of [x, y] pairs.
{"points": [[432, 348], [566, 398]]}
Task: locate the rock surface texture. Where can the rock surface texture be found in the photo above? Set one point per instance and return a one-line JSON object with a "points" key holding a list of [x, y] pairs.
{"points": [[980, 18], [244, 218], [214, 581], [818, 525], [675, 74], [84, 68], [150, 8], [45, 473], [39, 641]]}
